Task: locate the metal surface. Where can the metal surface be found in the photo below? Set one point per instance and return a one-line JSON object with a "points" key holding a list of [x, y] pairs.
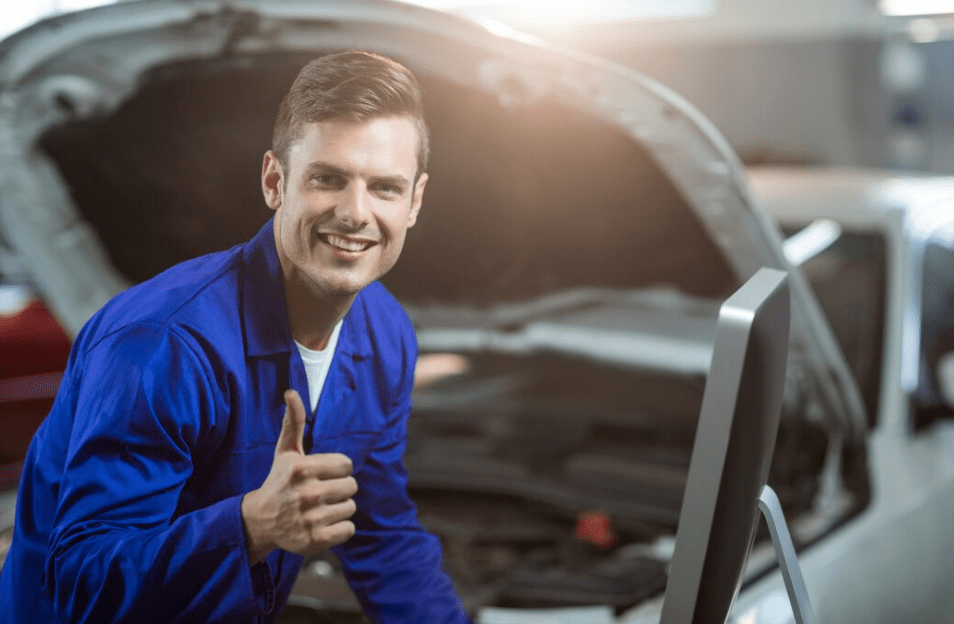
{"points": [[771, 508], [735, 439]]}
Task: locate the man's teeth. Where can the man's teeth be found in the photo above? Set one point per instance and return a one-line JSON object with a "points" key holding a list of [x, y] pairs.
{"points": [[346, 244]]}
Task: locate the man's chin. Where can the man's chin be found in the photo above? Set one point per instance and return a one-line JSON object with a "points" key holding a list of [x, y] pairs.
{"points": [[346, 281], [342, 288]]}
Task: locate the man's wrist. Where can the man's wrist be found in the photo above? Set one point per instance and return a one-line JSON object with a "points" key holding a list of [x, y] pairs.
{"points": [[257, 547]]}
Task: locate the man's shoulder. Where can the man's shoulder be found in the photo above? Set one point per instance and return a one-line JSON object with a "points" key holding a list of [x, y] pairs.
{"points": [[192, 293], [377, 303], [376, 294], [378, 324]]}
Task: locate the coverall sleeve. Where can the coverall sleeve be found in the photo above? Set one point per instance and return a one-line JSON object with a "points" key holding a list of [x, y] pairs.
{"points": [[394, 566], [119, 551]]}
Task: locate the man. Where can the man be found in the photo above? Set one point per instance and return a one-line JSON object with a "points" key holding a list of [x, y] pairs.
{"points": [[175, 478]]}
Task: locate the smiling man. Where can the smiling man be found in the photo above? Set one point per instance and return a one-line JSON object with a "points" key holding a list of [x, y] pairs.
{"points": [[180, 477]]}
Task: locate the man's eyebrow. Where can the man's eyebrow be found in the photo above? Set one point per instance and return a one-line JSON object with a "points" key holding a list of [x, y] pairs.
{"points": [[323, 167]]}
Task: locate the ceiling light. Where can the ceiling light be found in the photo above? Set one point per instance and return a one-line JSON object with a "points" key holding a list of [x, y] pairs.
{"points": [[916, 7], [562, 12]]}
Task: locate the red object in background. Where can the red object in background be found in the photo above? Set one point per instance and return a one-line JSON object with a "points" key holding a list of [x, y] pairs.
{"points": [[594, 527], [33, 354]]}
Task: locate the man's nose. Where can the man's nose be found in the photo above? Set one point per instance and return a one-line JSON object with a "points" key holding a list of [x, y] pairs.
{"points": [[354, 207]]}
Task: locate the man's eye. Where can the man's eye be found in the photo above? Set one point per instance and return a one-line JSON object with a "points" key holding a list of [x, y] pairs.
{"points": [[326, 180], [388, 189]]}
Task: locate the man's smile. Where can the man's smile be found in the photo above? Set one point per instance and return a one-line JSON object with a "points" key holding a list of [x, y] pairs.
{"points": [[347, 244]]}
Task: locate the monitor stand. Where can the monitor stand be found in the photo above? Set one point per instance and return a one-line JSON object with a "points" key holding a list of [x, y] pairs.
{"points": [[771, 509]]}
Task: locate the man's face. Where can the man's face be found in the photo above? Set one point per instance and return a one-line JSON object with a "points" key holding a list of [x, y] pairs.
{"points": [[344, 202]]}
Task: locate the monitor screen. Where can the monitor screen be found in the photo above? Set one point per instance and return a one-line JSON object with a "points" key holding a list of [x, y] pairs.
{"points": [[735, 438]]}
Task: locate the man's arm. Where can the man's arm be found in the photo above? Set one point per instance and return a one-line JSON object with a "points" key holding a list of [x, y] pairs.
{"points": [[118, 550]]}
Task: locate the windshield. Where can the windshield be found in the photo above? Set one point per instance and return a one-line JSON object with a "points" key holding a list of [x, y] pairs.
{"points": [[849, 279]]}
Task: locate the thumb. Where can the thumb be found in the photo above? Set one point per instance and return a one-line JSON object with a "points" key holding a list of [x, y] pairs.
{"points": [[293, 425]]}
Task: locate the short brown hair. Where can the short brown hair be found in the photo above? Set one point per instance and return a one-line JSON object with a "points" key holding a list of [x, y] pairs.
{"points": [[352, 85]]}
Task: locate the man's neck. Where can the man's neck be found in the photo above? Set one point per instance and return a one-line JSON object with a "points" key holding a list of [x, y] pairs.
{"points": [[312, 319]]}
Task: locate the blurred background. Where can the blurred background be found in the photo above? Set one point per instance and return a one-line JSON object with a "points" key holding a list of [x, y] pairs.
{"points": [[828, 82], [850, 92]]}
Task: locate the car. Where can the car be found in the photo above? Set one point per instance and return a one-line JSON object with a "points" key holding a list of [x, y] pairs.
{"points": [[581, 227], [884, 283]]}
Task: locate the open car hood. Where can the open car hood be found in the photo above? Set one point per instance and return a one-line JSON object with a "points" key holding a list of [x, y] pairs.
{"points": [[131, 138]]}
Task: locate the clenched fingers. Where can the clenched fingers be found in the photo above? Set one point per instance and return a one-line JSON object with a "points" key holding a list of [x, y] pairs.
{"points": [[328, 515], [324, 537], [322, 466], [327, 491]]}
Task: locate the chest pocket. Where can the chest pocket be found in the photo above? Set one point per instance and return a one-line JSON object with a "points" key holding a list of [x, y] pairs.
{"points": [[356, 445]]}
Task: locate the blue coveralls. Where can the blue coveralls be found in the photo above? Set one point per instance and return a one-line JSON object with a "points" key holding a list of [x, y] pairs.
{"points": [[168, 412]]}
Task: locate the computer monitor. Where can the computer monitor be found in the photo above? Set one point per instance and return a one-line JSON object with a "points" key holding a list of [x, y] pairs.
{"points": [[735, 438]]}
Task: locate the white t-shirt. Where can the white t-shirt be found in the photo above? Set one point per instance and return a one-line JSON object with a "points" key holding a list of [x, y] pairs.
{"points": [[317, 364]]}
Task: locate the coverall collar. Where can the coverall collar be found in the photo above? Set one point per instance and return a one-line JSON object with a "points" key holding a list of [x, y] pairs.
{"points": [[264, 312]]}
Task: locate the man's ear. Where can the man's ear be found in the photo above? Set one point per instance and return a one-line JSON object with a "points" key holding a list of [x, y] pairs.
{"points": [[416, 199], [273, 180]]}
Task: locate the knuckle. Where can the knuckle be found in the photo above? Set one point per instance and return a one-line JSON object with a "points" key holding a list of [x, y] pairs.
{"points": [[331, 535], [316, 495], [321, 535], [298, 471], [320, 495], [319, 516], [296, 499]]}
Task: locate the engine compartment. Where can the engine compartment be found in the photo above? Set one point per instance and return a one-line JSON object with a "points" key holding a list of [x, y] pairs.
{"points": [[514, 191]]}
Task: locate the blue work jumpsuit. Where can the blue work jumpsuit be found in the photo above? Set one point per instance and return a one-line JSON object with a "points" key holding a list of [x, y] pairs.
{"points": [[168, 412]]}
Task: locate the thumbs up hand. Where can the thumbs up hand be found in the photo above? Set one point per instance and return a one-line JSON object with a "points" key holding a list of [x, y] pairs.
{"points": [[305, 504]]}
